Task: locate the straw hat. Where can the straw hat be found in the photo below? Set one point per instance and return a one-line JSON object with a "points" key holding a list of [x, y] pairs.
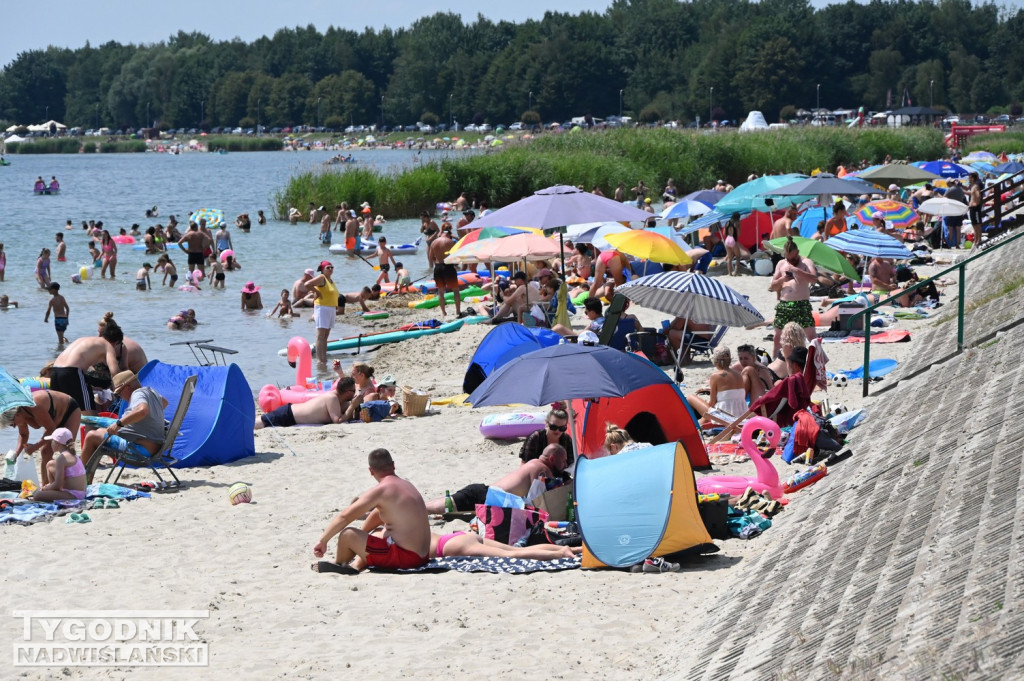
{"points": [[123, 378]]}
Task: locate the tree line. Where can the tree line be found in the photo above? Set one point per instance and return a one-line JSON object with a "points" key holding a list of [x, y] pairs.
{"points": [[652, 59]]}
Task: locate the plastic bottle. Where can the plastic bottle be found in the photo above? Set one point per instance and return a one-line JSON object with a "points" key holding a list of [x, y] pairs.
{"points": [[570, 509], [805, 478], [449, 505]]}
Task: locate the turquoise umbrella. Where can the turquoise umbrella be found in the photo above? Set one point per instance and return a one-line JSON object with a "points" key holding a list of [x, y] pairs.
{"points": [[751, 196], [12, 395]]}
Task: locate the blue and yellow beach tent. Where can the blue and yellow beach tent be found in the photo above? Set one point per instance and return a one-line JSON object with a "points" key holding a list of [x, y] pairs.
{"points": [[636, 505]]}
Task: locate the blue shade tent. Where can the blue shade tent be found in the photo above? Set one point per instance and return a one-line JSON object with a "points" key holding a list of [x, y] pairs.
{"points": [[637, 504], [504, 343], [218, 426]]}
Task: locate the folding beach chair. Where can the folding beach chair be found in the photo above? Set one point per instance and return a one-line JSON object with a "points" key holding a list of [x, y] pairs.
{"points": [[137, 456]]}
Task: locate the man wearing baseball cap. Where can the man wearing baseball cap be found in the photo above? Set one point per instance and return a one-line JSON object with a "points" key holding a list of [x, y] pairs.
{"points": [[141, 426]]}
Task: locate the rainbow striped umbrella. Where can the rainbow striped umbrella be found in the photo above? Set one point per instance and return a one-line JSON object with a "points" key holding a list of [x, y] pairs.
{"points": [[490, 233], [897, 215]]}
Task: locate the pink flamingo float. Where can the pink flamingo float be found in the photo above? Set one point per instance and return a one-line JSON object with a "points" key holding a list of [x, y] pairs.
{"points": [[300, 356], [767, 478]]}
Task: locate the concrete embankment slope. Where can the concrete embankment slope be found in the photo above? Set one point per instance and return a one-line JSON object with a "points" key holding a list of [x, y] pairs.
{"points": [[907, 561]]}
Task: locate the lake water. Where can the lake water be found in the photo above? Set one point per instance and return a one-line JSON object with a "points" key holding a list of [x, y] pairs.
{"points": [[117, 189]]}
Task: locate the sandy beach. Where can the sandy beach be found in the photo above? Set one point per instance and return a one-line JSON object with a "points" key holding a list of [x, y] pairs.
{"points": [[271, 617]]}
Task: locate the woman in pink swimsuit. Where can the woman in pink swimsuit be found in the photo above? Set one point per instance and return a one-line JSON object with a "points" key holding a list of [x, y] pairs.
{"points": [[66, 470], [472, 544], [109, 248]]}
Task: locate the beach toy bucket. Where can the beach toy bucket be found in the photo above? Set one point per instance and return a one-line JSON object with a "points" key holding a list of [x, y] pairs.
{"points": [[414, 402]]}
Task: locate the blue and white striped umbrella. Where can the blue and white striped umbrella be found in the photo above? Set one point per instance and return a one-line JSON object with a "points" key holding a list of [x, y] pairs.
{"points": [[694, 296], [870, 243]]}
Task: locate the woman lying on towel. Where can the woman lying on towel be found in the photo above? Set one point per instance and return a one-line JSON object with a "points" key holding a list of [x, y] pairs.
{"points": [[472, 544]]}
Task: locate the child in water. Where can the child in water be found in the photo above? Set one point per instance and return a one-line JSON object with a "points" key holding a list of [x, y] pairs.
{"points": [[59, 307], [218, 271], [284, 306]]}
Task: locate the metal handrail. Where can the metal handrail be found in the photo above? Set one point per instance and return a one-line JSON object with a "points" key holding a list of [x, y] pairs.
{"points": [[962, 267]]}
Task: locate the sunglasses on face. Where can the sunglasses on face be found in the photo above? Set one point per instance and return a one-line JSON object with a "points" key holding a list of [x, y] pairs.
{"points": [[557, 429]]}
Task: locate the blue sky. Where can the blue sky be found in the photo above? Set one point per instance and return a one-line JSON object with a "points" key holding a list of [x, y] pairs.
{"points": [[70, 23]]}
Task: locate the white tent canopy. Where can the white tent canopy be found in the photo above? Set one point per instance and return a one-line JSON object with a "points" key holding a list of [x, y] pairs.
{"points": [[45, 127], [14, 138]]}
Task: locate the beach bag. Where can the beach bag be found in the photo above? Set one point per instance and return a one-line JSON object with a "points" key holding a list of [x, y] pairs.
{"points": [[508, 525], [540, 534], [23, 468]]}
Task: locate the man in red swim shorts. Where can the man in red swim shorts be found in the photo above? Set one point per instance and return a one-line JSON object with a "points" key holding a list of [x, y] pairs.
{"points": [[393, 503]]}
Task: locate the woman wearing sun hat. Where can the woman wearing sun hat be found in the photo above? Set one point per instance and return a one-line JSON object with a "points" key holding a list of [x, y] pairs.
{"points": [[251, 299], [325, 307]]}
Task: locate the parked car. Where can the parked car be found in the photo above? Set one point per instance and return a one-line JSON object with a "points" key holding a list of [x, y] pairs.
{"points": [[483, 127], [516, 126]]}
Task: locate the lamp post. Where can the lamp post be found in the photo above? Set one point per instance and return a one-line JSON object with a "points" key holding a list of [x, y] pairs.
{"points": [[817, 99], [620, 105], [931, 94], [529, 106], [258, 103], [451, 115], [382, 112], [711, 106], [318, 112]]}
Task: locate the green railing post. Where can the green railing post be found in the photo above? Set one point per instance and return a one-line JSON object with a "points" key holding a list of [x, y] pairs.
{"points": [[960, 308], [866, 375]]}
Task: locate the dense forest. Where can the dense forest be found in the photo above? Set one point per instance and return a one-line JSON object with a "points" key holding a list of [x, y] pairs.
{"points": [[653, 59]]}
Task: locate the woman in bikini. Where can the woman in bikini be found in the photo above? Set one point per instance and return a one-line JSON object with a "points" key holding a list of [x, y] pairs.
{"points": [[472, 544], [65, 471], [51, 410], [109, 248]]}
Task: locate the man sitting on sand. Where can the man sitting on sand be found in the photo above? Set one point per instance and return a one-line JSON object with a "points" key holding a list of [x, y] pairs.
{"points": [[338, 406], [398, 506], [518, 482]]}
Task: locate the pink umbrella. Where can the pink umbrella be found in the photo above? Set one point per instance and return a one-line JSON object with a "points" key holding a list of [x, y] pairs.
{"points": [[517, 247]]}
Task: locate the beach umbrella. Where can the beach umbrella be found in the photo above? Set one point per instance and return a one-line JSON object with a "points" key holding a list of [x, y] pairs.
{"points": [[945, 169], [562, 373], [898, 215], [753, 195], [12, 393], [825, 183], [870, 243], [214, 216], [975, 156], [708, 196], [646, 245], [594, 233], [1012, 167], [488, 233], [559, 206], [818, 252], [527, 246], [899, 174], [685, 209], [940, 205], [695, 296]]}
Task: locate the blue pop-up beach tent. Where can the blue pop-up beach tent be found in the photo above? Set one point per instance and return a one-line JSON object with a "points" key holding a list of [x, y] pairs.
{"points": [[503, 344], [218, 426], [637, 504]]}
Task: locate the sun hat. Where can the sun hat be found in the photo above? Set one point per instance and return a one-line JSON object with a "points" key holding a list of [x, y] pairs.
{"points": [[388, 381], [123, 378], [324, 264], [380, 218], [546, 272], [894, 187], [250, 287], [364, 204], [647, 200], [61, 435], [310, 272], [878, 215]]}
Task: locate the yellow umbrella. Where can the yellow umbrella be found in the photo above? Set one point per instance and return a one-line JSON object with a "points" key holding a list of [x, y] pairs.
{"points": [[649, 246]]}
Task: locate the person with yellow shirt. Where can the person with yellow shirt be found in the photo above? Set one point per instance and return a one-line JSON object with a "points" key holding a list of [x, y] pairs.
{"points": [[325, 308]]}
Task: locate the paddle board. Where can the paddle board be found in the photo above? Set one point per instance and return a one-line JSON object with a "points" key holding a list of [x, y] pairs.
{"points": [[430, 303], [392, 337]]}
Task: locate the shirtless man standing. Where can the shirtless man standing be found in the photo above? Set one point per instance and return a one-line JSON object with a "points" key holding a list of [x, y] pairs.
{"points": [[352, 233], [445, 276], [781, 227], [518, 482], [68, 372], [397, 505], [792, 281], [430, 230], [195, 244]]}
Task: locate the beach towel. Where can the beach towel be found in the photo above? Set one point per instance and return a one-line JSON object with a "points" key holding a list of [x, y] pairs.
{"points": [[900, 336], [31, 512], [820, 360], [498, 566]]}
